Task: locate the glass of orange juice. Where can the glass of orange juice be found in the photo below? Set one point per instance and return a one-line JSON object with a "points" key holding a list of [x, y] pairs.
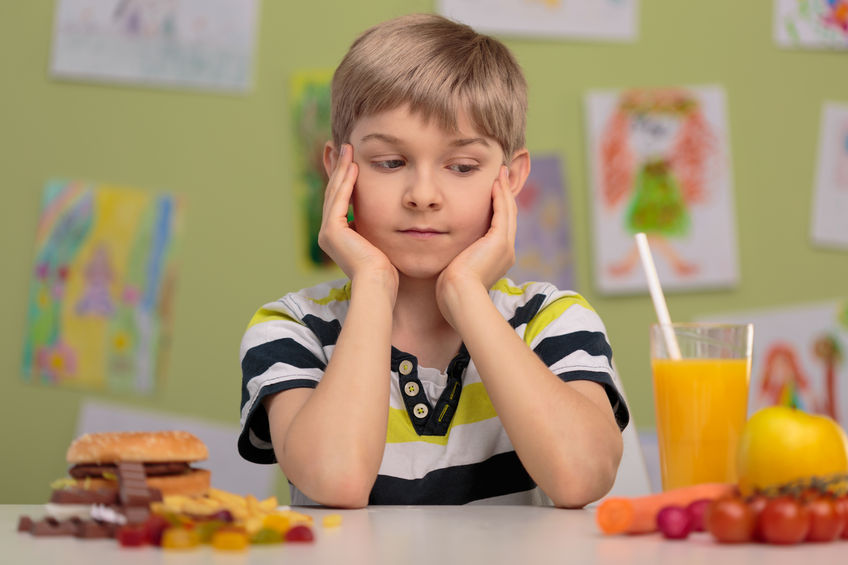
{"points": [[701, 399]]}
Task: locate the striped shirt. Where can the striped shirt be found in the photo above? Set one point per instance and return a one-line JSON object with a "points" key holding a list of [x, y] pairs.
{"points": [[445, 443]]}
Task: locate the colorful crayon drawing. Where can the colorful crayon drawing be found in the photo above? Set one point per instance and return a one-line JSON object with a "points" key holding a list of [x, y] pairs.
{"points": [[599, 20], [812, 24], [830, 206], [543, 237], [799, 358], [186, 43], [101, 299], [310, 94], [659, 167]]}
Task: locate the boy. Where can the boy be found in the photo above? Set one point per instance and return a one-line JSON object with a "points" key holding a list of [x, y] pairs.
{"points": [[426, 378]]}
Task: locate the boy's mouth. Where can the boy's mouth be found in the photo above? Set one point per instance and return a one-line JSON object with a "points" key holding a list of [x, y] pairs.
{"points": [[422, 233]]}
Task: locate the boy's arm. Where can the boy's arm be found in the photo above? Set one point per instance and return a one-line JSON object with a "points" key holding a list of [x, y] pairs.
{"points": [[564, 433], [330, 441]]}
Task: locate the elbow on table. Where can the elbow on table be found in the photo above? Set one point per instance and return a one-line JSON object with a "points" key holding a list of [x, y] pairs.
{"points": [[585, 484], [344, 490]]}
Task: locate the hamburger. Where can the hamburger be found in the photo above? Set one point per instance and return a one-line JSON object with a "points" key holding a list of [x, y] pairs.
{"points": [[167, 457]]}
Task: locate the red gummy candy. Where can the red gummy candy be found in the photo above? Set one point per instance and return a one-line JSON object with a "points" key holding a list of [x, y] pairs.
{"points": [[154, 526], [300, 533], [132, 535]]}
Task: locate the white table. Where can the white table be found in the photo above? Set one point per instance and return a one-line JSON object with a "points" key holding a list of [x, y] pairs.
{"points": [[491, 535]]}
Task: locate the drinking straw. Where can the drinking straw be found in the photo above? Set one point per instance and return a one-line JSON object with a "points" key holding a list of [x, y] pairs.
{"points": [[657, 296]]}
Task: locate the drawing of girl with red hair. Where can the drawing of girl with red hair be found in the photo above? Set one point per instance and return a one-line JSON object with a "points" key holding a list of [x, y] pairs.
{"points": [[657, 146], [783, 382]]}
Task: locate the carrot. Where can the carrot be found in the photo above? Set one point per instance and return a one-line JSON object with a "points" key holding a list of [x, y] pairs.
{"points": [[638, 515]]}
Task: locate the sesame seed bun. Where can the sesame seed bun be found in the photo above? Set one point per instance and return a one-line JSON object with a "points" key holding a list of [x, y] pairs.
{"points": [[111, 447]]}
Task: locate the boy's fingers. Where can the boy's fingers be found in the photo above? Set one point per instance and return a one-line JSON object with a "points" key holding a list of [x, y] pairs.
{"points": [[340, 185], [503, 215]]}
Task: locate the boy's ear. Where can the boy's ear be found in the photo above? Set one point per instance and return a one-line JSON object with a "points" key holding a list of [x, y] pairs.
{"points": [[331, 155], [519, 170]]}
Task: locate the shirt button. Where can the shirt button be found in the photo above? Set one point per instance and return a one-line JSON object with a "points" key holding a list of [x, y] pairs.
{"points": [[405, 367], [420, 410], [410, 388]]}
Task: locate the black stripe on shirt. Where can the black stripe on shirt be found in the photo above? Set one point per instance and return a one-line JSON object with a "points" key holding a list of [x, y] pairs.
{"points": [[258, 359], [327, 332], [619, 407], [257, 421], [523, 314], [552, 349], [499, 475]]}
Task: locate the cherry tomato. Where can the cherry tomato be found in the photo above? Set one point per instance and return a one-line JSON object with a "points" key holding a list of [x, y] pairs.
{"points": [[757, 502], [826, 521], [730, 520], [784, 520], [842, 508]]}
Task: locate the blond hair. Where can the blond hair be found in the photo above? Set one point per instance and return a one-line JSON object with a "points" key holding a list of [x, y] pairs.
{"points": [[439, 68]]}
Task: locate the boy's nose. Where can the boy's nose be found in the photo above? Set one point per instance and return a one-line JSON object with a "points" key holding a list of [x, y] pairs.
{"points": [[422, 194]]}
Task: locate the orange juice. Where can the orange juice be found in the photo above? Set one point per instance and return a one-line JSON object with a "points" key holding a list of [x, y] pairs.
{"points": [[701, 407]]}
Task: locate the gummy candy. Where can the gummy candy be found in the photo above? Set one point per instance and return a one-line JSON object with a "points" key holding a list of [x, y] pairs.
{"points": [[205, 530], [179, 538], [332, 520], [154, 526], [267, 535], [277, 522], [132, 535], [229, 539], [300, 533]]}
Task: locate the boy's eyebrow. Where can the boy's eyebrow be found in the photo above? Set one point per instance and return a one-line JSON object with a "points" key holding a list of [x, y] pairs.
{"points": [[379, 137], [462, 142], [469, 141]]}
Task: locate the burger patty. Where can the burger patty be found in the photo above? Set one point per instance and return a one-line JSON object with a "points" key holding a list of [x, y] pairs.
{"points": [[83, 470]]}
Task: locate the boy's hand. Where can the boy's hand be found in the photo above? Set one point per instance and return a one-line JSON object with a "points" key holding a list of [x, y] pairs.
{"points": [[486, 260], [354, 254]]}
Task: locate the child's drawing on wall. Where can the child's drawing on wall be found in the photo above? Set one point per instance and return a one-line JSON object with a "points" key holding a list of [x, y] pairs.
{"points": [[811, 23], [798, 358], [543, 239], [310, 94], [830, 202], [100, 310], [783, 382], [659, 161], [173, 43]]}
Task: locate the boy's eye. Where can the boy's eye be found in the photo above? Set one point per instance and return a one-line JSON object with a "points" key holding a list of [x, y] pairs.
{"points": [[389, 164], [463, 168]]}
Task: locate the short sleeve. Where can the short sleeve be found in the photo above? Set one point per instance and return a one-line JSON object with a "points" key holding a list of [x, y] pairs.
{"points": [[569, 337], [279, 351]]}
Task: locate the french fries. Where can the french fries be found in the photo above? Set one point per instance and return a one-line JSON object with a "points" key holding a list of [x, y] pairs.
{"points": [[247, 511]]}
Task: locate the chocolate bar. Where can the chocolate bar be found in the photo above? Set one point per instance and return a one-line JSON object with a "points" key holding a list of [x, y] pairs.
{"points": [[75, 495], [91, 529], [132, 484], [52, 527], [24, 524]]}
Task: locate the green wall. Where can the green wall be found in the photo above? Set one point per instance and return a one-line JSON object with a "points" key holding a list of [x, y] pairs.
{"points": [[230, 156]]}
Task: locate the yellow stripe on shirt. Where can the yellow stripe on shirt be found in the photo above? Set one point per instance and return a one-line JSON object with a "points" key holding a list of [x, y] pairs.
{"points": [[268, 315], [550, 313], [503, 286], [474, 406], [336, 294]]}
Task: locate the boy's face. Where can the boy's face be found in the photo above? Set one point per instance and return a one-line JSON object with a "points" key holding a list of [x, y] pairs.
{"points": [[422, 194]]}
